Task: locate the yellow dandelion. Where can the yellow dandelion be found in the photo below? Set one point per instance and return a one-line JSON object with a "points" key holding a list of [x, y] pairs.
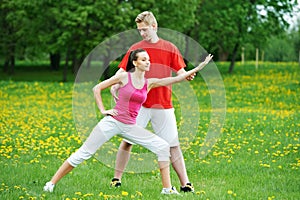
{"points": [[139, 193], [124, 193]]}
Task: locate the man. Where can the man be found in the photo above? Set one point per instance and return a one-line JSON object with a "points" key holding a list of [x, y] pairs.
{"points": [[158, 107]]}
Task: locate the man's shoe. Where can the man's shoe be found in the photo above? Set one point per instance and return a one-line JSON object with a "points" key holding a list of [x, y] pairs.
{"points": [[115, 182], [171, 190], [187, 188], [49, 186]]}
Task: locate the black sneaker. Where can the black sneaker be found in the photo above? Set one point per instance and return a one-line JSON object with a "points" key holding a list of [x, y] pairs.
{"points": [[115, 182], [187, 188]]}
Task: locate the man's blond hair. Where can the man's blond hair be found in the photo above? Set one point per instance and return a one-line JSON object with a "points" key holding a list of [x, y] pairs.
{"points": [[147, 17]]}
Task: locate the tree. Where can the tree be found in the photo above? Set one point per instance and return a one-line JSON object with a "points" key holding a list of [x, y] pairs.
{"points": [[71, 28], [12, 33], [280, 48], [223, 26]]}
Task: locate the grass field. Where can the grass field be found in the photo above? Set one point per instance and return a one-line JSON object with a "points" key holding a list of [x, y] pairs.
{"points": [[256, 157]]}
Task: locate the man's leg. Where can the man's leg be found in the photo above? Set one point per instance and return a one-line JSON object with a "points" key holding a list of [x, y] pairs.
{"points": [[122, 159], [125, 148], [160, 147], [164, 125], [178, 165]]}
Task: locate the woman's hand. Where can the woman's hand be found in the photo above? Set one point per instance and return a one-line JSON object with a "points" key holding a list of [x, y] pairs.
{"points": [[208, 58], [111, 112], [205, 62]]}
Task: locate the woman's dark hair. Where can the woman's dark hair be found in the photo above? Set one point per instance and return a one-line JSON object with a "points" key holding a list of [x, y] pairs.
{"points": [[132, 57]]}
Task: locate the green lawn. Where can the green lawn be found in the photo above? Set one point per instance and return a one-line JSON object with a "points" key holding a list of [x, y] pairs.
{"points": [[256, 157]]}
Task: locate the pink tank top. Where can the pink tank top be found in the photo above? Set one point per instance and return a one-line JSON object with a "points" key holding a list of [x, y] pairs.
{"points": [[130, 102]]}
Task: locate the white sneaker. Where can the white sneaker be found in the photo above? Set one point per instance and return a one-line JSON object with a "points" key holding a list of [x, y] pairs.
{"points": [[49, 186], [171, 190]]}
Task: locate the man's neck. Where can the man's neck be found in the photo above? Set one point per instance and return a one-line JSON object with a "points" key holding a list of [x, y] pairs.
{"points": [[154, 39]]}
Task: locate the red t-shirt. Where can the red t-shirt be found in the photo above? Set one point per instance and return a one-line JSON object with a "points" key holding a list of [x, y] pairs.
{"points": [[165, 58]]}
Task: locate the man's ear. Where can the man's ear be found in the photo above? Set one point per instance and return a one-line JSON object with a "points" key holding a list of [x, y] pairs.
{"points": [[154, 26]]}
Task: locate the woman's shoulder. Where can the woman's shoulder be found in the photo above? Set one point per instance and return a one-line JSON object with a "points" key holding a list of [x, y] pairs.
{"points": [[123, 77], [123, 74]]}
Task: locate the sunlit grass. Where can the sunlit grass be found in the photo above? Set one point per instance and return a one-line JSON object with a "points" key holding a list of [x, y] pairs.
{"points": [[257, 156]]}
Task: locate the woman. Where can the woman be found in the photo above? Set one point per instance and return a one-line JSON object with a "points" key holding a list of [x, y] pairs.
{"points": [[121, 120]]}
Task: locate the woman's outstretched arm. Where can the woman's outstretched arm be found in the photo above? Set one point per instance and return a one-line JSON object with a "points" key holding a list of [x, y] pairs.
{"points": [[157, 82]]}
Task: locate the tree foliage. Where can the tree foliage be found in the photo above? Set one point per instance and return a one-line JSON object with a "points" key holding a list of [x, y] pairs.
{"points": [[224, 26], [67, 30], [279, 48]]}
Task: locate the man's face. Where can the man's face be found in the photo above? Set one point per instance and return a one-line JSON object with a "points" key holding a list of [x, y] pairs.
{"points": [[147, 32]]}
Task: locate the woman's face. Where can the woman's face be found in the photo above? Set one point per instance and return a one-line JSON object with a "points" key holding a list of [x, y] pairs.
{"points": [[143, 61]]}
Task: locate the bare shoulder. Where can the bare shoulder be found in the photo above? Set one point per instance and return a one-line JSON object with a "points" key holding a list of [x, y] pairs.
{"points": [[122, 77]]}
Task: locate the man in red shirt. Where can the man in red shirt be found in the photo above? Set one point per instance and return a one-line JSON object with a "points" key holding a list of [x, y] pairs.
{"points": [[165, 58]]}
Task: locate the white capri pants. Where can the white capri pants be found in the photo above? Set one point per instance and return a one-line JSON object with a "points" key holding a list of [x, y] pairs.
{"points": [[163, 122], [109, 127]]}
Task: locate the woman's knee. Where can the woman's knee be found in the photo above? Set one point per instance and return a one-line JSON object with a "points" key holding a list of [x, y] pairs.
{"points": [[163, 152], [79, 156]]}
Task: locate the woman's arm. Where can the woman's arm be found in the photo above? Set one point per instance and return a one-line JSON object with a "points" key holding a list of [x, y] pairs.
{"points": [[156, 82], [115, 88], [116, 79]]}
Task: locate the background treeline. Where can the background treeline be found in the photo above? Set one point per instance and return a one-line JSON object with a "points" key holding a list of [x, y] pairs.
{"points": [[66, 31]]}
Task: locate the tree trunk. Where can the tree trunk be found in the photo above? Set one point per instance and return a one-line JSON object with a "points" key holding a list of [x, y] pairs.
{"points": [[106, 67], [65, 72], [9, 64], [54, 61], [6, 65], [106, 60], [234, 53], [223, 56], [11, 69], [89, 60]]}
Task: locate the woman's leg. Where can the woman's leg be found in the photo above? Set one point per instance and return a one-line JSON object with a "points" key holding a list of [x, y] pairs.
{"points": [[103, 131], [64, 169]]}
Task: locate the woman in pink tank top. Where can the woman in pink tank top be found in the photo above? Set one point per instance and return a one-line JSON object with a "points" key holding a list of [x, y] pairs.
{"points": [[121, 119], [130, 102]]}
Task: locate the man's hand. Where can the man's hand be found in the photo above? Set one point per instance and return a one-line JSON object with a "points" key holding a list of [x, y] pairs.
{"points": [[191, 77]]}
